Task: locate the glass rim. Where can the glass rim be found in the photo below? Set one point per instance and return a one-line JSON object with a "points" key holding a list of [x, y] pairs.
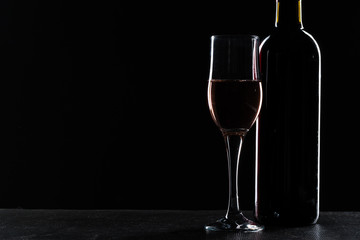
{"points": [[228, 36]]}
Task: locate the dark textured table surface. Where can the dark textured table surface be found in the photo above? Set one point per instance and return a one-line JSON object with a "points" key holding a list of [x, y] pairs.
{"points": [[157, 224]]}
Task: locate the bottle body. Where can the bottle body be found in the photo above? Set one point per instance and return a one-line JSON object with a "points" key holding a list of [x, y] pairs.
{"points": [[288, 130]]}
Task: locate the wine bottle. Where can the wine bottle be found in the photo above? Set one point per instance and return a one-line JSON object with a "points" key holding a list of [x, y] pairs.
{"points": [[288, 128]]}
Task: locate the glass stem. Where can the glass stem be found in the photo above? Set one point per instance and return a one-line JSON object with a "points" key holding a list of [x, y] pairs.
{"points": [[233, 149]]}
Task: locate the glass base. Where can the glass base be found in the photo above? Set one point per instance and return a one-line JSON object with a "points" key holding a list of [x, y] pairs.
{"points": [[241, 224]]}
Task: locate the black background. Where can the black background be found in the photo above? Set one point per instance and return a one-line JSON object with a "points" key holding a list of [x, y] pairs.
{"points": [[110, 109]]}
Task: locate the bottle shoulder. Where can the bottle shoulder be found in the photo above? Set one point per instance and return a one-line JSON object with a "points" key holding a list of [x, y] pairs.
{"points": [[290, 41]]}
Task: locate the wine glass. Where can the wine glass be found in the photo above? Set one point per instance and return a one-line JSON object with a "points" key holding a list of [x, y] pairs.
{"points": [[234, 98]]}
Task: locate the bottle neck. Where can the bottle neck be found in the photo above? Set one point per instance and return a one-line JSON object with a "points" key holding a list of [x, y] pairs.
{"points": [[288, 14]]}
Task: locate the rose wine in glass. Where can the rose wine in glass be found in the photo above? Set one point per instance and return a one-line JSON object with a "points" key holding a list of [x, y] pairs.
{"points": [[234, 98], [234, 104]]}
